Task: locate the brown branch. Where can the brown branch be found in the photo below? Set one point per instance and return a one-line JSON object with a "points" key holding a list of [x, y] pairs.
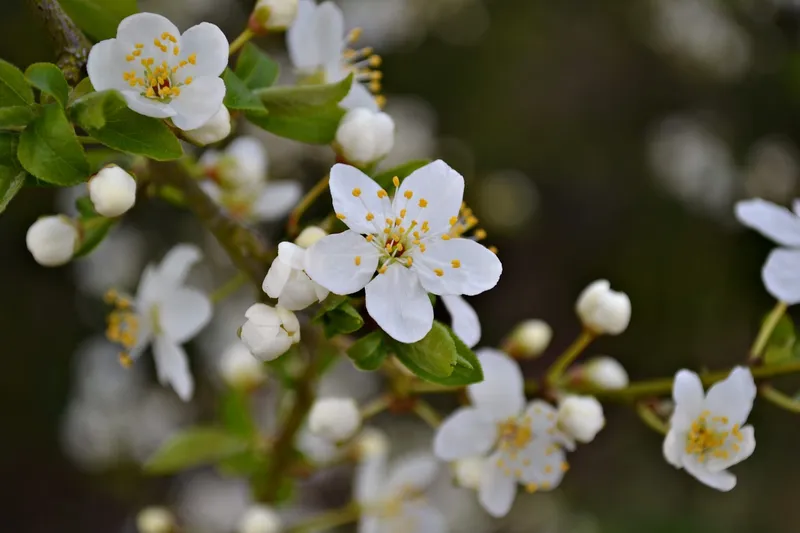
{"points": [[72, 46]]}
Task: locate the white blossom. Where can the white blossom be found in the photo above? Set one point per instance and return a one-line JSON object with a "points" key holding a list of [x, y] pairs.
{"points": [[214, 130], [602, 310], [239, 369], [269, 331], [287, 281], [112, 191], [606, 373], [409, 242], [365, 136], [530, 338], [469, 471], [52, 240], [463, 318], [260, 519], [580, 417], [334, 419], [522, 444], [706, 434], [274, 15], [155, 520], [162, 73], [309, 236]]}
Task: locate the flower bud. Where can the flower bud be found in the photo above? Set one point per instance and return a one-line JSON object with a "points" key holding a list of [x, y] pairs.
{"points": [[260, 519], [334, 419], [602, 310], [365, 136], [581, 417], [217, 128], [274, 15], [239, 369], [269, 332], [371, 442], [155, 520], [529, 339], [309, 236], [52, 240], [113, 191], [469, 472], [605, 373]]}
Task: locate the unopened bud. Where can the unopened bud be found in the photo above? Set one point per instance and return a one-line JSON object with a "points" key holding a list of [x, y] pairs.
{"points": [[334, 419], [269, 331], [274, 15], [602, 310], [240, 369], [155, 520], [260, 519], [217, 128], [469, 472], [113, 191], [529, 339], [605, 373], [365, 136], [581, 417], [371, 442], [52, 240], [309, 236]]}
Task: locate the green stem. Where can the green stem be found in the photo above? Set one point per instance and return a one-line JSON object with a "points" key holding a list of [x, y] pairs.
{"points": [[326, 521], [651, 419], [780, 399], [292, 225], [766, 330], [427, 413], [375, 407], [570, 354], [424, 387], [72, 46], [228, 288], [241, 40]]}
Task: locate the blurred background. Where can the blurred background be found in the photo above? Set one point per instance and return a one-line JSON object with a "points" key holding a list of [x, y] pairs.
{"points": [[599, 140]]}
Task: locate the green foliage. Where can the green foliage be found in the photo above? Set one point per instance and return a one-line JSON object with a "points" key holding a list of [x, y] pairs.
{"points": [[369, 352], [93, 230], [12, 177], [468, 368], [106, 117], [235, 414], [49, 79], [239, 97], [255, 68], [14, 88], [781, 344], [384, 179], [49, 150], [99, 18], [337, 316], [16, 116], [194, 447]]}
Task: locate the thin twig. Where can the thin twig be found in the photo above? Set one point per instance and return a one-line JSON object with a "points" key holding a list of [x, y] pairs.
{"points": [[72, 46]]}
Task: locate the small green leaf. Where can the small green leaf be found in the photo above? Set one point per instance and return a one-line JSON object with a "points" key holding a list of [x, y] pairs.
{"points": [[14, 89], [432, 358], [238, 95], [255, 68], [342, 320], [330, 303], [369, 352], [93, 231], [106, 117], [49, 149], [83, 88], [16, 116], [235, 414], [384, 179], [300, 97], [195, 447], [99, 18], [468, 368], [780, 346], [9, 187], [49, 79]]}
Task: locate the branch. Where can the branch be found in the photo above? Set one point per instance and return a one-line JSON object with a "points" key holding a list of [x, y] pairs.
{"points": [[72, 46]]}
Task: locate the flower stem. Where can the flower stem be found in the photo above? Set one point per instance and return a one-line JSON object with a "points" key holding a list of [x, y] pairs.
{"points": [[766, 330], [651, 419], [326, 521], [228, 288], [375, 407], [780, 399], [570, 354], [427, 413], [241, 40], [292, 225]]}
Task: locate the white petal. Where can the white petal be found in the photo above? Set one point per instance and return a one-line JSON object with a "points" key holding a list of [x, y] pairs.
{"points": [[370, 524], [443, 190], [497, 490], [745, 449], [299, 292], [106, 65], [176, 264], [263, 315], [464, 434], [687, 392], [542, 463], [292, 254], [172, 366], [673, 449], [211, 48], [370, 477], [477, 269], [414, 472], [142, 28], [781, 275], [771, 220], [277, 277], [733, 397], [466, 323], [198, 102], [420, 518], [347, 180], [331, 262], [249, 157], [723, 480], [183, 313], [501, 393], [151, 286], [359, 97], [277, 199], [329, 33], [544, 423], [146, 106], [399, 304], [301, 38]]}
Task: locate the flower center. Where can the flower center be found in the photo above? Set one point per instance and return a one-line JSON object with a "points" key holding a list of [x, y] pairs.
{"points": [[159, 82], [514, 434], [709, 436], [123, 325]]}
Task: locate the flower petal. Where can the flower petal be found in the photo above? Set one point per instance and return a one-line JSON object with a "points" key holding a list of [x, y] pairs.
{"points": [[370, 476], [743, 449], [210, 47], [176, 264], [466, 323], [673, 449], [342, 263], [437, 187], [277, 277], [771, 220], [413, 472], [147, 107], [355, 197], [466, 267], [359, 97], [370, 524], [172, 366], [463, 434], [299, 292], [781, 275], [329, 33], [420, 517], [399, 304], [733, 397], [277, 199], [688, 395], [143, 28], [542, 463], [183, 313], [198, 102], [106, 65], [292, 254], [544, 423], [301, 40], [722, 480], [501, 393], [497, 490]]}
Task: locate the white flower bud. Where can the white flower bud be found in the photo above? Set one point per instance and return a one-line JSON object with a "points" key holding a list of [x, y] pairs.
{"points": [[603, 310], [469, 472], [52, 240], [269, 332], [275, 14], [239, 369], [606, 373], [217, 128], [309, 236], [334, 419], [260, 519], [155, 520], [530, 338], [365, 136], [113, 191], [581, 417], [371, 442]]}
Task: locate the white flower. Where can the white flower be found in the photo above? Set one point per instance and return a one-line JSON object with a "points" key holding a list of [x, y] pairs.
{"points": [[275, 14], [240, 369], [464, 319], [781, 272], [580, 417], [606, 373], [318, 49], [365, 136], [260, 519], [409, 242], [165, 313], [243, 163], [52, 240], [309, 236], [162, 73], [706, 436], [602, 310], [469, 471], [269, 332], [371, 443], [214, 130], [287, 281], [155, 520], [113, 191], [530, 338], [334, 419], [522, 442]]}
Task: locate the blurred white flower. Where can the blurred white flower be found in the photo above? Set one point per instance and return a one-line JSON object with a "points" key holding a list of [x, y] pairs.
{"points": [[269, 331], [112, 191], [334, 419], [529, 338], [217, 128], [287, 281], [465, 321], [209, 503], [605, 372], [242, 164], [155, 520], [275, 15], [240, 369], [469, 471], [116, 262], [580, 417], [52, 240], [603, 310], [260, 519]]}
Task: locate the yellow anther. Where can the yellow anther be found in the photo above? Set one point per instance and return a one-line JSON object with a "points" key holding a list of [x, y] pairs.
{"points": [[157, 42], [127, 75], [396, 181], [139, 45], [401, 230], [425, 228], [400, 247], [453, 221], [137, 53], [150, 92], [354, 35], [410, 261], [382, 270], [183, 63], [422, 247], [546, 485], [381, 101], [356, 192], [564, 466], [455, 263], [389, 221], [382, 194], [369, 218], [480, 234], [358, 260], [374, 86], [176, 91], [548, 469], [531, 487], [130, 57], [398, 221], [125, 360], [370, 238], [340, 216], [192, 59], [403, 213], [387, 231], [445, 237], [176, 50], [416, 235], [408, 194], [375, 61], [166, 90], [188, 80], [423, 202], [500, 462], [439, 272], [395, 237], [493, 249]]}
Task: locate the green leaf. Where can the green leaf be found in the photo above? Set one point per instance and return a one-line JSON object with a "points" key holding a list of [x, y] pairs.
{"points": [[194, 447], [16, 116], [780, 346], [342, 320], [106, 117], [14, 89], [431, 358], [93, 231], [9, 187], [99, 18], [235, 414], [12, 177], [369, 352], [468, 368], [83, 88], [255, 68], [384, 179], [303, 97], [49, 149], [49, 79], [238, 95]]}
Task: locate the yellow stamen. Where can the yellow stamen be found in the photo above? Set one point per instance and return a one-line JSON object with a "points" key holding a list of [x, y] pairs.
{"points": [[358, 260], [340, 216], [455, 263], [396, 181], [356, 192], [439, 272]]}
